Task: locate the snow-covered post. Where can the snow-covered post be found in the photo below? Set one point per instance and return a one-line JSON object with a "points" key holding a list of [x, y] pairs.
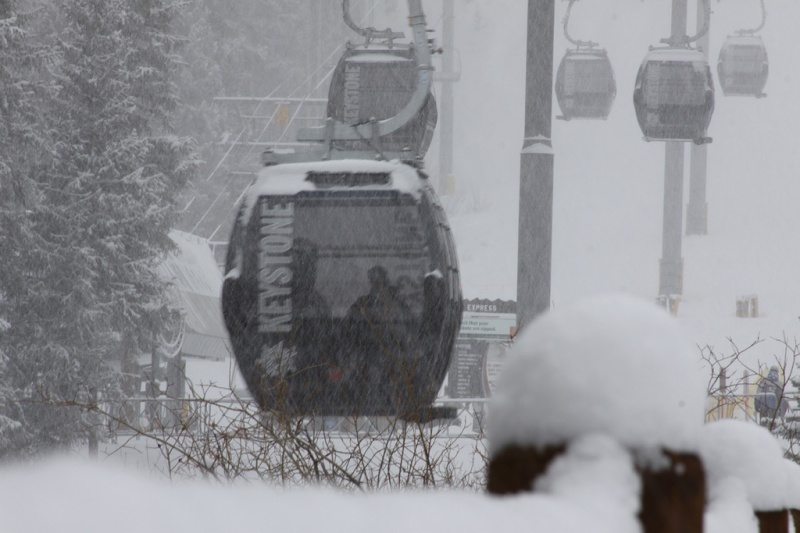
{"points": [[613, 370], [745, 465]]}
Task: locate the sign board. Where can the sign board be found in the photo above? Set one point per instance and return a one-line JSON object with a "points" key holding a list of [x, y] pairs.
{"points": [[486, 330]]}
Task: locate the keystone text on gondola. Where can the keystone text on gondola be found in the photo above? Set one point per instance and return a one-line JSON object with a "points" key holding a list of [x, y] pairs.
{"points": [[274, 267], [352, 94]]}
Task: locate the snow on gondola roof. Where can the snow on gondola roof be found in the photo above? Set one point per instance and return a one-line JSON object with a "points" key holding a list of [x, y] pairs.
{"points": [[754, 40], [675, 54], [377, 57], [291, 178]]}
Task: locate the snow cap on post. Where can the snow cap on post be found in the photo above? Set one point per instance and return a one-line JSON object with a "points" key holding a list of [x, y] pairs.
{"points": [[749, 452], [612, 364]]}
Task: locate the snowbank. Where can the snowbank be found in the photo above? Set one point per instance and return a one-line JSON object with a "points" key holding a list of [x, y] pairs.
{"points": [[69, 496], [750, 453]]}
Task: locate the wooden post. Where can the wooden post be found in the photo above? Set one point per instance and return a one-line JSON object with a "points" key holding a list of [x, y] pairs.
{"points": [[516, 468], [773, 521], [673, 497], [673, 492], [795, 513]]}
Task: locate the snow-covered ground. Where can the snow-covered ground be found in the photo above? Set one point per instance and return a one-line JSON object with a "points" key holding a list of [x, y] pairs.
{"points": [[606, 238]]}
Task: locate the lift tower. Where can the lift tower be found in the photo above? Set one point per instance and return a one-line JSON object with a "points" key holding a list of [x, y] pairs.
{"points": [[536, 168]]}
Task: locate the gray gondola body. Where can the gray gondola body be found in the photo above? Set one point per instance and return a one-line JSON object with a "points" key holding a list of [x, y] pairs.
{"points": [[743, 66], [375, 82], [585, 85], [306, 241], [674, 95]]}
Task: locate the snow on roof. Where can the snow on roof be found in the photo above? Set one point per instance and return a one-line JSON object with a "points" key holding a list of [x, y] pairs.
{"points": [[192, 266], [749, 452], [290, 179], [675, 54], [377, 58], [612, 364], [193, 270]]}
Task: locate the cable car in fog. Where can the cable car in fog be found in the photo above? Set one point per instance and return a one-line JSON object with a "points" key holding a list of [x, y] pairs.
{"points": [[375, 81], [743, 66], [341, 291], [585, 86], [674, 95]]}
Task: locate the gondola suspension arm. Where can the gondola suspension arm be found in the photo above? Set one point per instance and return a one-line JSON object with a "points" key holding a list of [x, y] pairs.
{"points": [[686, 41], [340, 131], [761, 26], [579, 44], [368, 33]]}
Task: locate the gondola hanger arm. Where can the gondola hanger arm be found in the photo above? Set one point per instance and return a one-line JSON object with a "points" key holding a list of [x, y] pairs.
{"points": [[579, 44], [761, 26], [686, 41], [368, 33]]}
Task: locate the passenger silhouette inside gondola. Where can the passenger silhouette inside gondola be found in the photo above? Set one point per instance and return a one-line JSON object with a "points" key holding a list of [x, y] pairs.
{"points": [[382, 304], [306, 300], [312, 328], [378, 335]]}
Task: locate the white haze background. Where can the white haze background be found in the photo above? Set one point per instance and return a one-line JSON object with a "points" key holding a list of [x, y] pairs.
{"points": [[606, 238]]}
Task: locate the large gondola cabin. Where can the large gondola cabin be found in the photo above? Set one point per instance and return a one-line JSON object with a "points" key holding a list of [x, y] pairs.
{"points": [[341, 292], [674, 95]]}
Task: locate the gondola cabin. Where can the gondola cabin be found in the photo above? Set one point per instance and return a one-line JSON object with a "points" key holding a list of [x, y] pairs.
{"points": [[585, 85], [377, 81], [341, 292], [674, 95], [743, 66]]}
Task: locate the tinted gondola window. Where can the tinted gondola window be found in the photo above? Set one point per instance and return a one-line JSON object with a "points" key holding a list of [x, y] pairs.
{"points": [[585, 85], [745, 59], [589, 76], [386, 84], [675, 83], [353, 235], [743, 67]]}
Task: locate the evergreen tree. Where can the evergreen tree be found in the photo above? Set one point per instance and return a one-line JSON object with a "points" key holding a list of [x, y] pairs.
{"points": [[23, 155], [87, 302]]}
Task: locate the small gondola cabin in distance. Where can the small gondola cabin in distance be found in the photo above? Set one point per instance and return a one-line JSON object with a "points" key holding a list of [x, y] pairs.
{"points": [[341, 292], [743, 66], [585, 85]]}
